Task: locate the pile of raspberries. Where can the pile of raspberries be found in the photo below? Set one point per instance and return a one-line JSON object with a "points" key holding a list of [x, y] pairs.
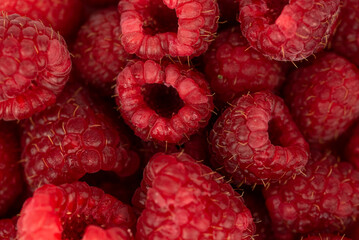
{"points": [[179, 119]]}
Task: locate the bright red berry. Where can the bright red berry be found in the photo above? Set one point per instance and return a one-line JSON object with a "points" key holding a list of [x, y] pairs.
{"points": [[153, 29], [165, 103], [183, 199], [69, 211], [323, 97], [257, 141], [71, 138], [34, 66], [288, 30]]}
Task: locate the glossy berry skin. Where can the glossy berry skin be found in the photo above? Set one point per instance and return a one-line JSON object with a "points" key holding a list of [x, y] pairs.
{"points": [[69, 211], [183, 199], [288, 31], [346, 38], [34, 66], [8, 229], [72, 138], [153, 29], [257, 141], [63, 16], [11, 181], [164, 103], [324, 198], [99, 55], [233, 68], [323, 97], [326, 237]]}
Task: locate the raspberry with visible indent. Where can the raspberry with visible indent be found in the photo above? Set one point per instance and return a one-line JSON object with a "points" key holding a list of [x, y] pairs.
{"points": [[232, 67], [34, 66], [288, 30], [8, 228], [69, 212], [165, 103], [323, 97], [11, 181], [257, 141], [99, 55], [325, 198], [71, 138], [326, 237], [153, 29], [64, 16], [182, 199], [346, 38]]}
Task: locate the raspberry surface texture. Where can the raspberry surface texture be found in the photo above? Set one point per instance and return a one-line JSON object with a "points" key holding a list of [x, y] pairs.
{"points": [[346, 38], [153, 29], [71, 211], [63, 16], [99, 55], [232, 67], [257, 141], [323, 97], [34, 66], [164, 103], [72, 138], [11, 181], [323, 198], [8, 229], [183, 199], [288, 30], [326, 237]]}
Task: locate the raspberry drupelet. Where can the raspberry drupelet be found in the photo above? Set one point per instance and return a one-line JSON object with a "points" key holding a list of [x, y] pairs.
{"points": [[99, 55], [165, 103], [153, 29], [63, 16], [288, 30], [74, 211], [233, 68], [257, 142], [34, 66], [183, 199], [73, 137], [323, 97], [322, 199]]}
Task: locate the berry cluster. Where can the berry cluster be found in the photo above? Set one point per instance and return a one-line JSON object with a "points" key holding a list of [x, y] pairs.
{"points": [[179, 119]]}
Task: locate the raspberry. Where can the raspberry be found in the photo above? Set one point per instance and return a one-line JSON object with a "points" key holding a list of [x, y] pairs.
{"points": [[64, 16], [346, 38], [8, 229], [115, 233], [165, 103], [326, 237], [257, 142], [232, 68], [69, 211], [323, 198], [183, 199], [288, 30], [11, 182], [72, 138], [34, 66], [323, 97], [99, 55], [153, 29]]}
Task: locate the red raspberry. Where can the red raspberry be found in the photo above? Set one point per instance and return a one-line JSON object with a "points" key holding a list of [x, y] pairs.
{"points": [[8, 229], [153, 29], [34, 66], [72, 138], [324, 198], [99, 55], [233, 68], [115, 233], [323, 97], [346, 38], [11, 182], [288, 30], [183, 199], [257, 142], [326, 237], [68, 212], [165, 103], [64, 16]]}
